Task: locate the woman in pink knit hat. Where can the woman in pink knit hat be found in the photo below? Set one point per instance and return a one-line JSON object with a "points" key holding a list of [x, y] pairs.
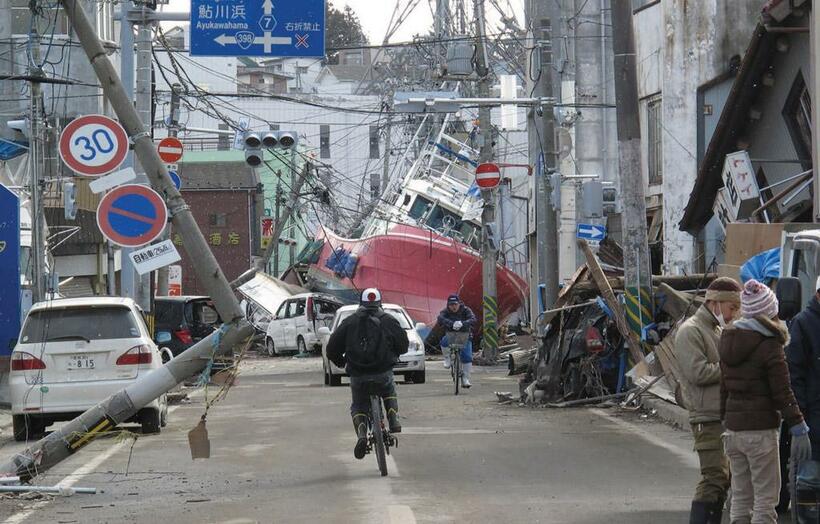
{"points": [[755, 392]]}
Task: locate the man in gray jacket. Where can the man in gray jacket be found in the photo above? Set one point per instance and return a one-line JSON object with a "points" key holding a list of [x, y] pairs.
{"points": [[696, 349]]}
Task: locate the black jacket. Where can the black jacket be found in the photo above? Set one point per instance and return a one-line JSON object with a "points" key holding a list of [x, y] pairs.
{"points": [[803, 356], [464, 314], [349, 335]]}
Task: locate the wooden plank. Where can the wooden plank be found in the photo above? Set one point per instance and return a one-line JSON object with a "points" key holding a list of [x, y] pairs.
{"points": [[608, 295], [564, 296]]}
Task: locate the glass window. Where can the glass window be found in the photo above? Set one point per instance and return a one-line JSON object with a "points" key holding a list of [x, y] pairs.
{"points": [[280, 313], [291, 309], [80, 323], [420, 206], [324, 307], [654, 141], [300, 307]]}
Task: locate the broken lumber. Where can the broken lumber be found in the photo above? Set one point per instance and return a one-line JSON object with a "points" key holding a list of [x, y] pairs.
{"points": [[634, 343], [520, 360], [564, 295]]}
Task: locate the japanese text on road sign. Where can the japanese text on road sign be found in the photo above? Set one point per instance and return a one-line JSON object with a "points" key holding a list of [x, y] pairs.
{"points": [[258, 28]]}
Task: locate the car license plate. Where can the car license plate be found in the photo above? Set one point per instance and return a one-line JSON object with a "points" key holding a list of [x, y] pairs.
{"points": [[80, 362]]}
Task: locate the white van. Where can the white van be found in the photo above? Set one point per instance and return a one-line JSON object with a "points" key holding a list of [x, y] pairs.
{"points": [[294, 326]]}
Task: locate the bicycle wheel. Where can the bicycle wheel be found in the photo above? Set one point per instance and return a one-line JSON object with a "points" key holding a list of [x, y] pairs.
{"points": [[457, 368], [378, 433]]}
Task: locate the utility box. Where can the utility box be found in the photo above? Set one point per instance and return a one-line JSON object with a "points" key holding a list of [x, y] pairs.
{"points": [[460, 58], [592, 199]]}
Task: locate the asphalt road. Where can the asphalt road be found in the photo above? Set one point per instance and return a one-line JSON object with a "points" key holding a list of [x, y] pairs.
{"points": [[281, 451]]}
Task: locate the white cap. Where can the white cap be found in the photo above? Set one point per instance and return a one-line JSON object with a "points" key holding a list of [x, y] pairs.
{"points": [[372, 296]]}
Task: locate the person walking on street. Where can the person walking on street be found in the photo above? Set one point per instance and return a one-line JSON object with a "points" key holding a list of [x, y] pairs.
{"points": [[696, 348], [803, 357], [755, 391], [368, 344], [458, 317]]}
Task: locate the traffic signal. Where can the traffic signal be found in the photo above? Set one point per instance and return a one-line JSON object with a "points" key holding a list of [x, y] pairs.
{"points": [[282, 139], [253, 149], [70, 201], [610, 197]]}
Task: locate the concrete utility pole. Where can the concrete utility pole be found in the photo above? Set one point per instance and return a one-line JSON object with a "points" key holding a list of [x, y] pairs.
{"points": [[489, 251], [36, 141], [121, 406], [279, 226], [173, 130], [543, 19], [637, 267], [133, 285], [277, 212]]}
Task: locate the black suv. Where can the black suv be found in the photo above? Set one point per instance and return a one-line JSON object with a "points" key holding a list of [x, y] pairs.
{"points": [[180, 322]]}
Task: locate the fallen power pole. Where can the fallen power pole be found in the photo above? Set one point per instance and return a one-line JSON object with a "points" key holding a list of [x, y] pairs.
{"points": [[121, 406], [637, 264]]}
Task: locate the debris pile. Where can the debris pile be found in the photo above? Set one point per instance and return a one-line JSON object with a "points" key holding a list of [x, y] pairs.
{"points": [[586, 352]]}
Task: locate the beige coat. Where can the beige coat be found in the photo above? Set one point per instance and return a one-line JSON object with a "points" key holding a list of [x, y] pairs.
{"points": [[696, 348]]}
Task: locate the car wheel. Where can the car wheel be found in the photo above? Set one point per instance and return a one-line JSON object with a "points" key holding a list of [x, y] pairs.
{"points": [[301, 346], [163, 419], [269, 348], [419, 377], [335, 380], [150, 421], [25, 427]]}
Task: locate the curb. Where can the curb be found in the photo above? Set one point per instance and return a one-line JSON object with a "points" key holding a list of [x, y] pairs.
{"points": [[671, 413]]}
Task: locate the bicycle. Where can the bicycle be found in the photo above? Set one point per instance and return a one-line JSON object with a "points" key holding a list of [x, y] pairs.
{"points": [[456, 341], [378, 434]]}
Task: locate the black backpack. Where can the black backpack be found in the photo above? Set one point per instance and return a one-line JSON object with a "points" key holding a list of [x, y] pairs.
{"points": [[366, 346]]}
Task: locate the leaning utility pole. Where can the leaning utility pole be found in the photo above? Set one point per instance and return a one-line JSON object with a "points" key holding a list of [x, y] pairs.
{"points": [[637, 266], [173, 130], [279, 226], [815, 106], [121, 406], [543, 22], [277, 206], [489, 251]]}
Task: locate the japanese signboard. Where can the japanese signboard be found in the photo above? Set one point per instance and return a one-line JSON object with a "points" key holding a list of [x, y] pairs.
{"points": [[267, 231], [175, 280], [258, 28], [742, 193], [153, 257]]}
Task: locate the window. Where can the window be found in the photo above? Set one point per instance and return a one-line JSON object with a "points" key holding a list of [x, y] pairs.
{"points": [[224, 141], [301, 70], [218, 220], [324, 141], [280, 313], [292, 304], [797, 113], [374, 143], [654, 141], [86, 323], [420, 208]]}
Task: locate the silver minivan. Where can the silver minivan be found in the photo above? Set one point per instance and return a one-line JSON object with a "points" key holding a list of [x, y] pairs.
{"points": [[295, 324]]}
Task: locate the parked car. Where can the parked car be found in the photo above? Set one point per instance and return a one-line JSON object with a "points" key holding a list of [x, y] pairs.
{"points": [[181, 322], [295, 325], [410, 365], [74, 353]]}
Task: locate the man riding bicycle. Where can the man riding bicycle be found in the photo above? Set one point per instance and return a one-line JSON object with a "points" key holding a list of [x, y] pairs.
{"points": [[458, 317], [368, 344]]}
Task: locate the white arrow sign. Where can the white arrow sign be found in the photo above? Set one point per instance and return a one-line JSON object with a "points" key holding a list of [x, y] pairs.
{"points": [[267, 6], [244, 42], [591, 232]]}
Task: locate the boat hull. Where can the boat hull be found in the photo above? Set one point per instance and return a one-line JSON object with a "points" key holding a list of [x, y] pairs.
{"points": [[416, 269]]}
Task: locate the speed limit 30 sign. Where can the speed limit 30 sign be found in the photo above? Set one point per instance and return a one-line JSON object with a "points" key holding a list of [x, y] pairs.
{"points": [[93, 145]]}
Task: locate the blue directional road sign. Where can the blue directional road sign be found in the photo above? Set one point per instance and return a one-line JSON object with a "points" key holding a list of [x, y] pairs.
{"points": [[175, 179], [10, 274], [267, 28], [591, 232]]}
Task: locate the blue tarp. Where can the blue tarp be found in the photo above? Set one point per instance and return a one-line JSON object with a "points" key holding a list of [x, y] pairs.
{"points": [[342, 262], [763, 267]]}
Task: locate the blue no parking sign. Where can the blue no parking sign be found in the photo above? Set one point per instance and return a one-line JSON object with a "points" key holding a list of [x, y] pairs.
{"points": [[132, 215]]}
